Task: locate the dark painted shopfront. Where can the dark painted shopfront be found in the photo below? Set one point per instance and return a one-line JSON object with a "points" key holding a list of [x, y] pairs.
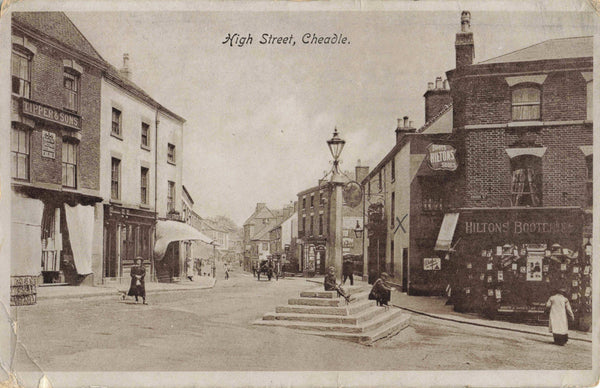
{"points": [[508, 261]]}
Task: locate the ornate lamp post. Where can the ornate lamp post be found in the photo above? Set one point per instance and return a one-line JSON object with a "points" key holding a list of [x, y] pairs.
{"points": [[334, 238]]}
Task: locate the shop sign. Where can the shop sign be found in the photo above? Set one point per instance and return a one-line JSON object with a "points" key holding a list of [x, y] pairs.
{"points": [[23, 290], [432, 264], [48, 144], [48, 113], [518, 227], [441, 157], [347, 242]]}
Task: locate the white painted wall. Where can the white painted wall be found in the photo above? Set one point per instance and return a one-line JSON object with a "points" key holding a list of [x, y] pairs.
{"points": [[170, 130]]}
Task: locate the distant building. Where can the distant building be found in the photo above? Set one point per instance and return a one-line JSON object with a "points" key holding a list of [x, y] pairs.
{"points": [[256, 229], [282, 239]]}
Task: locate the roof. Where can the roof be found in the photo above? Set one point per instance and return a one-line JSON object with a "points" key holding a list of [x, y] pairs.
{"points": [[187, 195], [563, 48], [57, 26], [263, 233], [442, 122], [262, 213]]}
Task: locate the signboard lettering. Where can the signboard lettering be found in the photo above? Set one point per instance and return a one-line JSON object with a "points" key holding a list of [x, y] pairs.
{"points": [[48, 144], [518, 227], [441, 157], [48, 113], [432, 264]]}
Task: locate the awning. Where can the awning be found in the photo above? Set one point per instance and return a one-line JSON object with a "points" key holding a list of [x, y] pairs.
{"points": [[26, 235], [169, 231], [444, 240], [80, 223]]}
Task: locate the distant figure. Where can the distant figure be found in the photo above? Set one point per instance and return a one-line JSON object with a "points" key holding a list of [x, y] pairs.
{"points": [[347, 271], [559, 308], [381, 292], [214, 269], [226, 271], [189, 269], [198, 266], [330, 284], [138, 285]]}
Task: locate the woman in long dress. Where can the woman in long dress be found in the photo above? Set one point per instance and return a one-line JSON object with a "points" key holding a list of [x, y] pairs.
{"points": [[137, 287], [559, 308], [381, 292]]}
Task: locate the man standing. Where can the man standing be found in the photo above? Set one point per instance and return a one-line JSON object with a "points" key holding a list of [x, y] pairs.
{"points": [[347, 271]]}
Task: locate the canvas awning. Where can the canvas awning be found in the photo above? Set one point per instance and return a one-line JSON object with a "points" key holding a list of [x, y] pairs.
{"points": [[80, 223], [26, 235], [168, 231], [444, 240]]}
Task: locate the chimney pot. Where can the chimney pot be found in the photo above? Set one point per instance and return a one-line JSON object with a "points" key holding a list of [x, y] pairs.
{"points": [[465, 21], [399, 123], [125, 71], [405, 121], [410, 124], [446, 86], [429, 85], [438, 82]]}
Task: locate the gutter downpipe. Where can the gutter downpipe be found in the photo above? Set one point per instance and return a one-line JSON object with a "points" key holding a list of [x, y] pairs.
{"points": [[156, 123]]}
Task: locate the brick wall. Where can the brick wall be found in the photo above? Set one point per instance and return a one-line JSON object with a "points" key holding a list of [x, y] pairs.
{"points": [[435, 101]]}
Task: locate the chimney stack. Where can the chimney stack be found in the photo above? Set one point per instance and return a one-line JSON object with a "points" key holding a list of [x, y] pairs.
{"points": [[429, 85], [404, 126], [360, 172], [436, 99], [125, 71], [465, 46], [405, 121]]}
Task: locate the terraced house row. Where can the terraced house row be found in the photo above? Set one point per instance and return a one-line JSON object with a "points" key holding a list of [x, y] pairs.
{"points": [[96, 161]]}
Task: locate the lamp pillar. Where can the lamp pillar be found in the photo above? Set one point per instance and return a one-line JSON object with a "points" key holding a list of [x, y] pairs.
{"points": [[334, 240]]}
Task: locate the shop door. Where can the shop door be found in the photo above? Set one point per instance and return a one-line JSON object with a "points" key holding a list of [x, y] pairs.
{"points": [[404, 269], [110, 250], [51, 244]]}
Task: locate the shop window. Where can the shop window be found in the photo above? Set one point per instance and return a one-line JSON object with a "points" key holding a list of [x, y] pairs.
{"points": [[19, 147], [145, 135], [21, 73], [116, 122], [526, 185], [526, 103], [71, 84], [115, 179], [69, 164], [144, 186], [589, 185], [171, 153], [171, 196]]}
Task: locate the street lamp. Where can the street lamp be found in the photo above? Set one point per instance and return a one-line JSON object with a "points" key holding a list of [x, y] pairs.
{"points": [[358, 231], [334, 240]]}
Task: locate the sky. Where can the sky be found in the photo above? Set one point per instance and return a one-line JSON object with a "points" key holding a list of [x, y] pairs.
{"points": [[258, 116]]}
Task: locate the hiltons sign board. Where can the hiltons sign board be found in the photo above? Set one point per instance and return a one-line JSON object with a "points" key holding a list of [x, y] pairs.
{"points": [[441, 157]]}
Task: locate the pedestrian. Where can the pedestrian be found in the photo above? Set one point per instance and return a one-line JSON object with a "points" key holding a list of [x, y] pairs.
{"points": [[347, 271], [226, 272], [330, 284], [558, 306], [214, 269], [381, 292], [189, 269], [138, 284]]}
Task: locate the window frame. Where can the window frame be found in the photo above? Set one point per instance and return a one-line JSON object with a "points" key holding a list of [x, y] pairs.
{"points": [[144, 185], [115, 179], [16, 129], [118, 124], [28, 56], [527, 162], [145, 126], [538, 103], [75, 79], [171, 153], [66, 163], [170, 196]]}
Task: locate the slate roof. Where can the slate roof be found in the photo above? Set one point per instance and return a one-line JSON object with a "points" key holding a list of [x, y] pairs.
{"points": [[563, 48]]}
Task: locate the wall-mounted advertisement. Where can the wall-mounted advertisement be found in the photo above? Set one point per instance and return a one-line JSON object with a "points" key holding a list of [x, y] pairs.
{"points": [[534, 268], [432, 264]]}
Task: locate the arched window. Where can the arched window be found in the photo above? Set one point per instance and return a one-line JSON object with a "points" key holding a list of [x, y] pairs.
{"points": [[525, 102], [526, 185]]}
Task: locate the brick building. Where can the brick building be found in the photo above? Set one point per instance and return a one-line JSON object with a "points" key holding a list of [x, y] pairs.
{"points": [[314, 208], [256, 235], [55, 149]]}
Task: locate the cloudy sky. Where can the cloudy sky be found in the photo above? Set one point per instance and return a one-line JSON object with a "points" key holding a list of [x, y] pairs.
{"points": [[258, 116]]}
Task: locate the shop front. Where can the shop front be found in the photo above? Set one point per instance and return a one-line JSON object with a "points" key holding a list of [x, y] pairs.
{"points": [[506, 262]]}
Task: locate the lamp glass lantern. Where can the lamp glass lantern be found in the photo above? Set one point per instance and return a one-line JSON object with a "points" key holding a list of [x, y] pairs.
{"points": [[336, 145], [358, 231]]}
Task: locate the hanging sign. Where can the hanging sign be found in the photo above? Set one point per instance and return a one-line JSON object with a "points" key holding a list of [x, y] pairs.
{"points": [[432, 264], [352, 194], [441, 157]]}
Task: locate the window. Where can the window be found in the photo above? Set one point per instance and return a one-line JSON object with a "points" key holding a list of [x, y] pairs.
{"points": [[145, 135], [265, 246], [144, 186], [380, 185], [320, 224], [312, 225], [69, 164], [21, 73], [115, 179], [71, 84], [393, 209], [304, 203], [526, 186], [431, 197], [19, 147], [171, 153], [590, 100], [589, 160], [369, 188], [526, 103], [312, 200], [321, 198], [116, 122], [171, 197], [393, 169], [392, 257], [303, 224]]}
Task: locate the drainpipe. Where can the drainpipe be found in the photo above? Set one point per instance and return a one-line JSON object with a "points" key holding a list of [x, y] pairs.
{"points": [[156, 123]]}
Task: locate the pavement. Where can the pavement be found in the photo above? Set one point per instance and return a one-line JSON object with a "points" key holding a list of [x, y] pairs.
{"points": [[434, 307], [114, 289]]}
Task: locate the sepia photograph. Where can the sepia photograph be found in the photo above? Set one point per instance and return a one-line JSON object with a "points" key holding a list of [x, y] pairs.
{"points": [[327, 194]]}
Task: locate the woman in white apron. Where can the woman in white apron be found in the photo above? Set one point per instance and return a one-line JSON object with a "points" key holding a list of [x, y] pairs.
{"points": [[559, 308]]}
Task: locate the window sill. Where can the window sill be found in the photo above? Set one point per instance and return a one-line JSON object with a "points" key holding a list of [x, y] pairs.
{"points": [[116, 136], [115, 201], [145, 206], [147, 148], [171, 162], [531, 123], [75, 112]]}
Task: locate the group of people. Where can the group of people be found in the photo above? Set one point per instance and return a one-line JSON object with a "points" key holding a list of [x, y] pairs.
{"points": [[380, 292]]}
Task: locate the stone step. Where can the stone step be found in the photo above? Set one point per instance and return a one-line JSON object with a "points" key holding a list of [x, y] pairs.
{"points": [[393, 327], [363, 316], [352, 290], [317, 301], [367, 326], [350, 309]]}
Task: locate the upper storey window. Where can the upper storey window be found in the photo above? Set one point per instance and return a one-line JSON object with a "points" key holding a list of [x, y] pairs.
{"points": [[21, 73], [526, 101]]}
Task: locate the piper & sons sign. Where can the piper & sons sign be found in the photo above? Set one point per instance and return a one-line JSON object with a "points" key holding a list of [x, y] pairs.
{"points": [[48, 113], [441, 157]]}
